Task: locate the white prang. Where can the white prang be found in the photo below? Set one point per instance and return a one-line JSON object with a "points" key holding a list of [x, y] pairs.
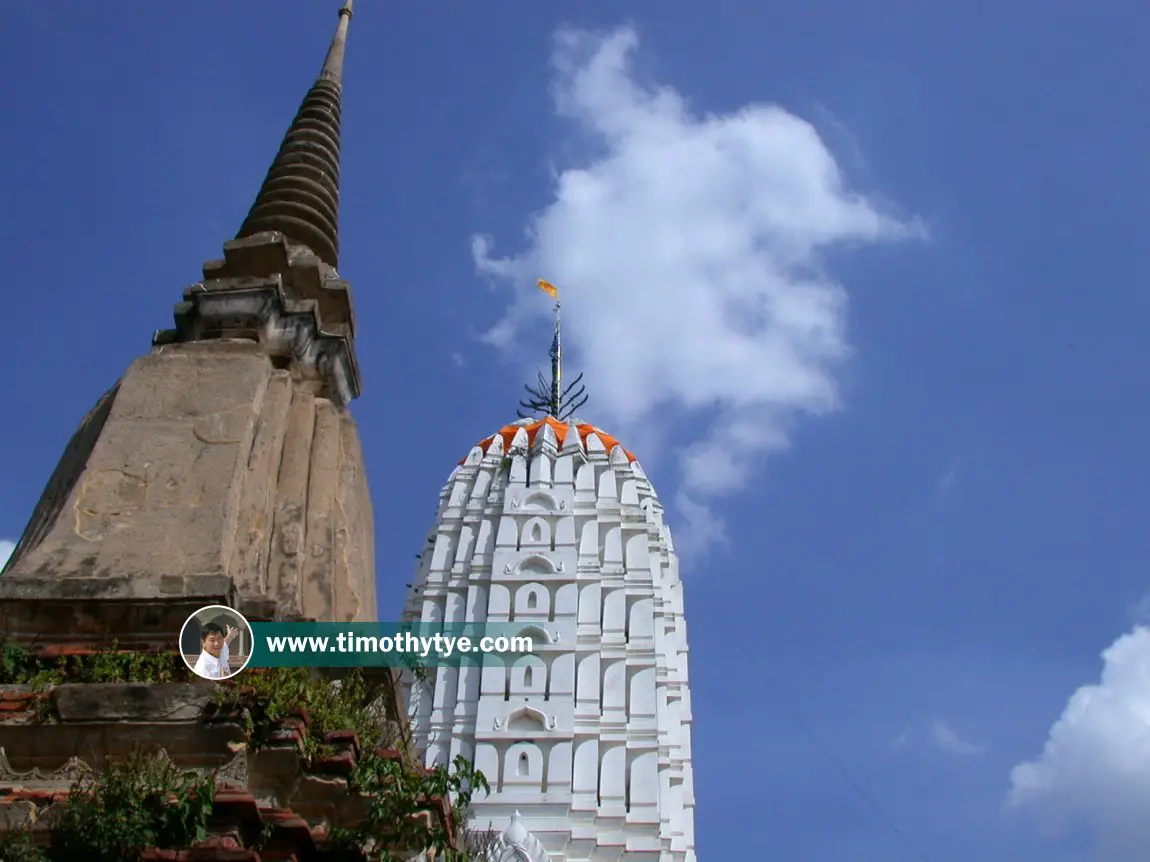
{"points": [[586, 743]]}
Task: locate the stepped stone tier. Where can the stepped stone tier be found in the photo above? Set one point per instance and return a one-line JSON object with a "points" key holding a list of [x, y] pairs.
{"points": [[586, 743], [270, 804]]}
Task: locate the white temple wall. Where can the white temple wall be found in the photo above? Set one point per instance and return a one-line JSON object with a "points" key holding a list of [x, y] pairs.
{"points": [[589, 737]]}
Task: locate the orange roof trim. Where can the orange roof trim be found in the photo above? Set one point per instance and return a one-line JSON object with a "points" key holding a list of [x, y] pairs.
{"points": [[508, 432]]}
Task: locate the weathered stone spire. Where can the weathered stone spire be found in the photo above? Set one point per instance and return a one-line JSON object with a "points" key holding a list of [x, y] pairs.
{"points": [[224, 467], [300, 194], [277, 283]]}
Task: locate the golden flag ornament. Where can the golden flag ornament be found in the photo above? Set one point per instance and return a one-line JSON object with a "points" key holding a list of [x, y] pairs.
{"points": [[549, 289]]}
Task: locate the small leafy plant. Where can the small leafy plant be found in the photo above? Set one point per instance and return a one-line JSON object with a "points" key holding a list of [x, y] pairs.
{"points": [[268, 696], [397, 792], [20, 666], [147, 802], [129, 807]]}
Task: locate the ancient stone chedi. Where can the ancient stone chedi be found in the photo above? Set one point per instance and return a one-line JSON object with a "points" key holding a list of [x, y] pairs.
{"points": [[551, 525], [224, 467]]}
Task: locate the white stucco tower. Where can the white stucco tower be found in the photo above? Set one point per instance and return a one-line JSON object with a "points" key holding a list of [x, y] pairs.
{"points": [[553, 526]]}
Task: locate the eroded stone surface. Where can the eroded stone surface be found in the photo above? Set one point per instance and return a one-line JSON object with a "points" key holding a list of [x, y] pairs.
{"points": [[48, 747], [161, 702], [211, 464], [223, 468]]}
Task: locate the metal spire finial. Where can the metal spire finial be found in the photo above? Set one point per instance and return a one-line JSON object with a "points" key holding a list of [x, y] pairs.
{"points": [[333, 62], [552, 399], [300, 195]]}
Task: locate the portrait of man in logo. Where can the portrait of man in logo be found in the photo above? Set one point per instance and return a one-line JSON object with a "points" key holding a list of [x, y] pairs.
{"points": [[216, 642]]}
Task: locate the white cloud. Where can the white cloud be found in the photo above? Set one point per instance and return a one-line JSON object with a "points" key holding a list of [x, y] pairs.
{"points": [[1140, 612], [946, 740], [6, 549], [1095, 767], [936, 736], [689, 249]]}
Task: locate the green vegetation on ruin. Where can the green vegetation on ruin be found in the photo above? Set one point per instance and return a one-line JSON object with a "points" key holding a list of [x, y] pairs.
{"points": [[147, 802]]}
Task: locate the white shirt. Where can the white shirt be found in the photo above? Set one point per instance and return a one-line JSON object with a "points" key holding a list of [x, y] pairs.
{"points": [[209, 666]]}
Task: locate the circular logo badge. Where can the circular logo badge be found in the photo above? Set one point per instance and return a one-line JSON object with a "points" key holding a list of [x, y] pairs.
{"points": [[216, 642]]}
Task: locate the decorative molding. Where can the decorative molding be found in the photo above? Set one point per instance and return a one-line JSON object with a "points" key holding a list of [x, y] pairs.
{"points": [[545, 721], [73, 770], [550, 636], [534, 556], [517, 844], [280, 309], [235, 770]]}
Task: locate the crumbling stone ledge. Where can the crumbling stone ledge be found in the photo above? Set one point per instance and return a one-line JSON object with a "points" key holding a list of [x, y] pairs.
{"points": [[309, 799]]}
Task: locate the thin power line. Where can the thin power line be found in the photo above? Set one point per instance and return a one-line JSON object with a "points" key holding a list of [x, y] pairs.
{"points": [[838, 766]]}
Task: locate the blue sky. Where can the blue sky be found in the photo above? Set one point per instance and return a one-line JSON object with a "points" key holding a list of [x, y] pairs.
{"points": [[862, 285]]}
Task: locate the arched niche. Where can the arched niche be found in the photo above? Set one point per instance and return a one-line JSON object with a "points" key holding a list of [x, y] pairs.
{"points": [[484, 541], [641, 693], [523, 766], [499, 602], [536, 533], [612, 550], [443, 554], [517, 475], [477, 603], [566, 601], [535, 564], [487, 762], [638, 552], [446, 688], [455, 608], [588, 678], [494, 680], [608, 487], [539, 501], [643, 780], [481, 487], [640, 618], [529, 677], [532, 600], [433, 609], [614, 617], [460, 488], [614, 693], [465, 548], [559, 766], [585, 778], [537, 633], [526, 719], [591, 604], [613, 774]]}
